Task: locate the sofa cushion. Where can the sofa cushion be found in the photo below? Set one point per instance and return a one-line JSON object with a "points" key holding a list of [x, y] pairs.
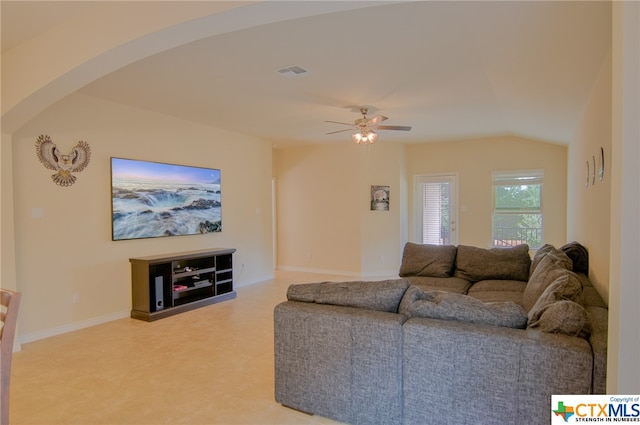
{"points": [[450, 306], [449, 284], [591, 295], [497, 296], [498, 285], [427, 260], [567, 286], [474, 264], [383, 295], [564, 317], [551, 266], [592, 298]]}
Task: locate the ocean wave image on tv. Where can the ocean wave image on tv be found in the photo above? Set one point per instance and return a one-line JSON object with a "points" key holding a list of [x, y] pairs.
{"points": [[152, 199]]}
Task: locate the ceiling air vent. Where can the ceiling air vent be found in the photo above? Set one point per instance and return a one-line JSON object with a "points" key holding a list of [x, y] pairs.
{"points": [[293, 72]]}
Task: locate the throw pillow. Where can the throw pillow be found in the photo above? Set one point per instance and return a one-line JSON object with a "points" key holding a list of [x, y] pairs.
{"points": [[567, 286], [564, 317], [384, 295], [553, 264], [539, 255], [579, 255], [427, 260], [474, 264], [451, 306]]}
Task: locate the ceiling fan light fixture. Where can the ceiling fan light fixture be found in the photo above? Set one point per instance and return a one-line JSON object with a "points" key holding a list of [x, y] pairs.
{"points": [[367, 137], [364, 127]]}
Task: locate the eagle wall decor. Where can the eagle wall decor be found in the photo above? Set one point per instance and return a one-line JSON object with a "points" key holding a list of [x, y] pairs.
{"points": [[51, 157]]}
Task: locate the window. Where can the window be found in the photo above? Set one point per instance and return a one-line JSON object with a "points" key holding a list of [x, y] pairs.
{"points": [[517, 208], [435, 210]]}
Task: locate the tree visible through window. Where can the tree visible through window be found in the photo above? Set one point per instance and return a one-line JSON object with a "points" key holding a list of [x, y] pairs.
{"points": [[517, 209]]}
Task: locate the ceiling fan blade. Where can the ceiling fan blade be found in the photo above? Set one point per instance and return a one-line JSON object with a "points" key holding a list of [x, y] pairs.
{"points": [[338, 122], [376, 120], [394, 127], [340, 131]]}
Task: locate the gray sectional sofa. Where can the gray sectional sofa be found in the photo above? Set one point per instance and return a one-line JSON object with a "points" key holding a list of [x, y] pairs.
{"points": [[465, 335]]}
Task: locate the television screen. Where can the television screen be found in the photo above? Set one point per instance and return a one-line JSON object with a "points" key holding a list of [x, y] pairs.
{"points": [[153, 199]]}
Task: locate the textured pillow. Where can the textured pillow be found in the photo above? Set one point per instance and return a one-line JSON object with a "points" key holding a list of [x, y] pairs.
{"points": [[552, 265], [383, 295], [427, 260], [539, 255], [564, 317], [579, 255], [450, 306], [567, 286], [474, 264]]}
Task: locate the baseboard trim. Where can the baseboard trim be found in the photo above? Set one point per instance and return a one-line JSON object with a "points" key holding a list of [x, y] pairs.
{"points": [[59, 330], [240, 284], [391, 274], [319, 271], [35, 336]]}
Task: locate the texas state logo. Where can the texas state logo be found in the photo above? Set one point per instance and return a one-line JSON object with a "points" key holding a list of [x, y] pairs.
{"points": [[594, 408]]}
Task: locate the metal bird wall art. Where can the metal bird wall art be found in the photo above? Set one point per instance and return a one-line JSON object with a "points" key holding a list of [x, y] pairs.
{"points": [[51, 157]]}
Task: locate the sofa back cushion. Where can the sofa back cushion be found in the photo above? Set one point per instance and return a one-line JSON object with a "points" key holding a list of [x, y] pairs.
{"points": [[449, 284], [474, 264], [463, 308], [551, 266], [383, 295], [427, 260]]}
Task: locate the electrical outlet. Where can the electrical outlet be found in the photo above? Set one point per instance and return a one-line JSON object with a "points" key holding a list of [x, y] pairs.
{"points": [[76, 297]]}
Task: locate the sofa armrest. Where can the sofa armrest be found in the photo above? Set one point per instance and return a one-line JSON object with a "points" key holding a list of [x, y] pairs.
{"points": [[343, 363], [501, 375], [599, 318]]}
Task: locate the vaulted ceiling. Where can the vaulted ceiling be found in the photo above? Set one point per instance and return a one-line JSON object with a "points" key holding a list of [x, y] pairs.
{"points": [[448, 69]]}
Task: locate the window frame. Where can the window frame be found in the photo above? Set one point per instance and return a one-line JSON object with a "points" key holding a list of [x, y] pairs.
{"points": [[515, 178]]}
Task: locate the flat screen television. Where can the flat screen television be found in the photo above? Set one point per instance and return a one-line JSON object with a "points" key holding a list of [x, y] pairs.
{"points": [[154, 199]]}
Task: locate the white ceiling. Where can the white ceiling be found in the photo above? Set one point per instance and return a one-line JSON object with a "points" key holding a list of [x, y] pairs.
{"points": [[449, 69]]}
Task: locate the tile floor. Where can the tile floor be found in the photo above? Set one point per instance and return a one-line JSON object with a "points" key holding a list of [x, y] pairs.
{"points": [[213, 365]]}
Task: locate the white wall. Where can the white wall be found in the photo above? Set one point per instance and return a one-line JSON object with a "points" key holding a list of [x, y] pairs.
{"points": [[474, 161], [383, 232], [589, 206], [317, 208], [325, 222], [69, 250]]}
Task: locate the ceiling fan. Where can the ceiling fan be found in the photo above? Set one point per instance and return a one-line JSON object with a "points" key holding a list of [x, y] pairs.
{"points": [[364, 127]]}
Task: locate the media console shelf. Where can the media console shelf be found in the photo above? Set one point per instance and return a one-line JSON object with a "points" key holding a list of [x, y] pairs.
{"points": [[164, 285]]}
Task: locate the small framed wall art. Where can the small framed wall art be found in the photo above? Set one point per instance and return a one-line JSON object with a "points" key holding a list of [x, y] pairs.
{"points": [[380, 198]]}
